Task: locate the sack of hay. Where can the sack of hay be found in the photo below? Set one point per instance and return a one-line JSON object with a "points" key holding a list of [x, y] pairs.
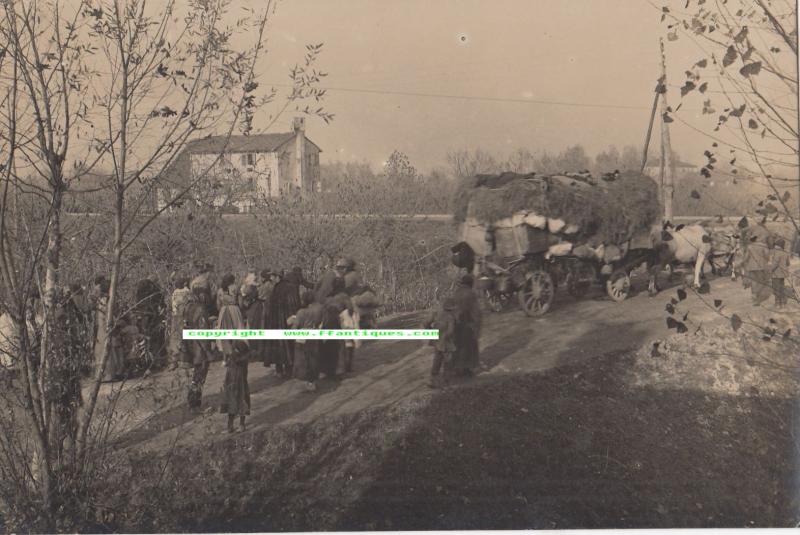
{"points": [[610, 211]]}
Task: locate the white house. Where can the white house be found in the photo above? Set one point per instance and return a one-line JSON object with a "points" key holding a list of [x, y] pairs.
{"points": [[237, 172]]}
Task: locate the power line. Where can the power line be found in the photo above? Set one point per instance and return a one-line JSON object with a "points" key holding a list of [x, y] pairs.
{"points": [[485, 99]]}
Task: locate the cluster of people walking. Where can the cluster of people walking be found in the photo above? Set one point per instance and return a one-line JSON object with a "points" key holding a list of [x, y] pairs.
{"points": [[268, 300], [148, 334]]}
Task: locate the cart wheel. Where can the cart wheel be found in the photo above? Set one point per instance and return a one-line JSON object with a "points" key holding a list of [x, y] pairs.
{"points": [[618, 285], [537, 293], [579, 280]]}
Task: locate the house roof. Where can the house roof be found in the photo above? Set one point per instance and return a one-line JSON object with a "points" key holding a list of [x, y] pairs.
{"points": [[235, 144]]}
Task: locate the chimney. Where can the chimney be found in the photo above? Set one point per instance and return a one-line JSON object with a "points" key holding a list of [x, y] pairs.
{"points": [[299, 127]]}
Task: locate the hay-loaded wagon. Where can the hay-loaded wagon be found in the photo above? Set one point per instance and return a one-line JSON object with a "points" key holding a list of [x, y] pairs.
{"points": [[531, 234]]}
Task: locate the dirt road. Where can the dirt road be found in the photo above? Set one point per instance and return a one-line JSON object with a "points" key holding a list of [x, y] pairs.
{"points": [[388, 371]]}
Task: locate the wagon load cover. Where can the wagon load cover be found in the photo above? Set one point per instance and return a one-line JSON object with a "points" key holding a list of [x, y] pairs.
{"points": [[562, 214]]}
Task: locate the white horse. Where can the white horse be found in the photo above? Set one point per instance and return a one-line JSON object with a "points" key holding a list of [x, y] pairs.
{"points": [[681, 245]]}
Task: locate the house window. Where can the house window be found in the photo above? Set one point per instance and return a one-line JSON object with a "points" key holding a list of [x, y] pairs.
{"points": [[248, 159]]}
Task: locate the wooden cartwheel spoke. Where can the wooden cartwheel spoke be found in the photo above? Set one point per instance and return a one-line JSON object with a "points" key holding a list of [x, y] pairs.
{"points": [[537, 293]]}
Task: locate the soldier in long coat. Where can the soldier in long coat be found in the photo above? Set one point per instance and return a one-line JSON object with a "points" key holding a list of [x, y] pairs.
{"points": [[468, 327], [197, 352], [284, 303]]}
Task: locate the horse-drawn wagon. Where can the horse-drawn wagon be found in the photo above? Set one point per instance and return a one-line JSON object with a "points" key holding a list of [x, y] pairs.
{"points": [[525, 235]]}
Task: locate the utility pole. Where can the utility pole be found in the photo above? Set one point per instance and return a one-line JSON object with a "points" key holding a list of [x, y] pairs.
{"points": [[667, 178]]}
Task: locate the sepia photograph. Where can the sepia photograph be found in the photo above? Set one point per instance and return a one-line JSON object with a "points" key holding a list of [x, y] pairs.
{"points": [[398, 265]]}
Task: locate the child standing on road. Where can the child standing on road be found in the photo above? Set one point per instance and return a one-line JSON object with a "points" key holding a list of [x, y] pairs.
{"points": [[444, 320], [236, 391], [779, 265]]}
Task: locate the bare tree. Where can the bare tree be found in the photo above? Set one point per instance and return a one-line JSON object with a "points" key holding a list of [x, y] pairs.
{"points": [[121, 84]]}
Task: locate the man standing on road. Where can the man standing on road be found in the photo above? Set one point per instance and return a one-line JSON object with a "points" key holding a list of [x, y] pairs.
{"points": [[198, 352], [468, 327], [757, 264]]}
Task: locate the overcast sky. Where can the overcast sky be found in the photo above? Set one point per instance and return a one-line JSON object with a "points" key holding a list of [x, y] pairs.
{"points": [[575, 52]]}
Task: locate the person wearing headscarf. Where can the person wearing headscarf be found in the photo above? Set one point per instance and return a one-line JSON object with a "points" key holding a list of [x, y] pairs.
{"points": [[230, 316], [308, 317], [284, 303], [236, 390], [468, 327]]}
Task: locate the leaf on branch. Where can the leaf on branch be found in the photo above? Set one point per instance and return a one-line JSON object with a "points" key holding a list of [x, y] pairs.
{"points": [[730, 56], [670, 308], [736, 322], [672, 36], [703, 88], [702, 63], [705, 172], [786, 196], [682, 328], [687, 88], [787, 334], [704, 288], [751, 69], [672, 323], [706, 238], [681, 294], [717, 303], [741, 36], [695, 194], [743, 223], [667, 119], [738, 112], [747, 54]]}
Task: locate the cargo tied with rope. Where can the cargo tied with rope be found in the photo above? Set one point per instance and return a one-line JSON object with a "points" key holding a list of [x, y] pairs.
{"points": [[540, 231]]}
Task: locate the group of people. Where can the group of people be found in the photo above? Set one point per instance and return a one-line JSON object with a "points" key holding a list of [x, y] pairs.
{"points": [[268, 300], [153, 324], [764, 261]]}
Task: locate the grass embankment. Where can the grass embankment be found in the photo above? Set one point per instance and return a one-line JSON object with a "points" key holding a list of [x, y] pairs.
{"points": [[574, 447]]}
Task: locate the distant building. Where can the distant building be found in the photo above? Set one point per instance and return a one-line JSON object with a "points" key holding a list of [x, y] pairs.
{"points": [[237, 172], [653, 168]]}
